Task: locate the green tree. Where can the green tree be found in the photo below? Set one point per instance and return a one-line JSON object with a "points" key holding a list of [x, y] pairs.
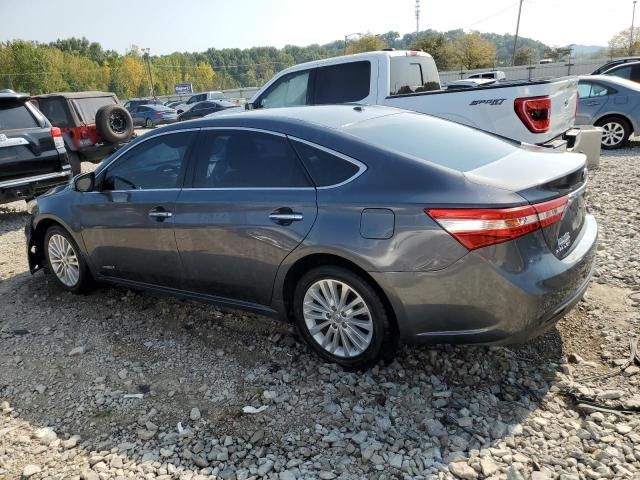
{"points": [[366, 43], [525, 56], [439, 48], [473, 51]]}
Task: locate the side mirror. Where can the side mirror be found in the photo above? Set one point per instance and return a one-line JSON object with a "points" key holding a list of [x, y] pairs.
{"points": [[85, 182], [248, 106]]}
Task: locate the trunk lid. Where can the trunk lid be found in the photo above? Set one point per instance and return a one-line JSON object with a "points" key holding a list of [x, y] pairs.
{"points": [[564, 100], [539, 176]]}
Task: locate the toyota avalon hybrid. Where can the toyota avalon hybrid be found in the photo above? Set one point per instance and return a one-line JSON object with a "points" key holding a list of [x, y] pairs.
{"points": [[365, 226]]}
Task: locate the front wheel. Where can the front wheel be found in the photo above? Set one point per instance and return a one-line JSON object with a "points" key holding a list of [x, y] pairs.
{"points": [[65, 260], [341, 317], [616, 132]]}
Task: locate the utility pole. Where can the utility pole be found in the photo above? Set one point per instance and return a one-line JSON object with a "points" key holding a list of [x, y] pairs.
{"points": [[417, 17], [149, 74], [515, 40], [633, 18]]}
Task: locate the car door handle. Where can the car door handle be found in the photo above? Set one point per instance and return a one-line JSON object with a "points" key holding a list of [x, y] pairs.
{"points": [[593, 104], [286, 217], [160, 214]]}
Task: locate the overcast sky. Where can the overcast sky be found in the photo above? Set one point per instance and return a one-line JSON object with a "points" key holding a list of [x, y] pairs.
{"points": [[166, 26]]}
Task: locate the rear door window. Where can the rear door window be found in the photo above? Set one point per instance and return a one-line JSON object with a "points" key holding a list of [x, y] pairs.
{"points": [[246, 159], [55, 110], [13, 117], [624, 72], [342, 83], [326, 169]]}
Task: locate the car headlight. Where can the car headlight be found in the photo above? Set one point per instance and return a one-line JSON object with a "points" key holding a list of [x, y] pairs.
{"points": [[32, 206]]}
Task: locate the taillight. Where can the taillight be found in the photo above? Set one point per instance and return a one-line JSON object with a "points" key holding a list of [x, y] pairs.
{"points": [[479, 227], [56, 134], [534, 112], [159, 113]]}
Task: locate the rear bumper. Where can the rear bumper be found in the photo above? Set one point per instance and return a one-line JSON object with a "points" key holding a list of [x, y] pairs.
{"points": [[496, 295], [29, 187], [165, 121], [580, 139]]}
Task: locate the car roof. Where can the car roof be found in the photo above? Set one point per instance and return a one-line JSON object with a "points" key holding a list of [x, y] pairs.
{"points": [[12, 97], [618, 66], [77, 94], [611, 80], [333, 117]]}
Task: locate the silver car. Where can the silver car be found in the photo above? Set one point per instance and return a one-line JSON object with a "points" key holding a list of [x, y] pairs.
{"points": [[611, 103]]}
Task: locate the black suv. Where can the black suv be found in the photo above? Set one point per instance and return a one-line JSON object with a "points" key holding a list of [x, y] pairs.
{"points": [[32, 154]]}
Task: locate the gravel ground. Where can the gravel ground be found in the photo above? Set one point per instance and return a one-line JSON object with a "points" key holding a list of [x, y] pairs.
{"points": [[122, 384]]}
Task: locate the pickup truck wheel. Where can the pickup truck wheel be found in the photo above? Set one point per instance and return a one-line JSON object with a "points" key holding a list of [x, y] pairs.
{"points": [[65, 260], [616, 132], [114, 124], [74, 161]]}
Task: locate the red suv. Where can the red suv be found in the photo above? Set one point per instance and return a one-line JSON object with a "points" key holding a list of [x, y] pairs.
{"points": [[93, 124]]}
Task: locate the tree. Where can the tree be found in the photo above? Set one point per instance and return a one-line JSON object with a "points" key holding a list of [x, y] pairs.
{"points": [[557, 54], [621, 44], [525, 56], [439, 48], [366, 43], [473, 51]]}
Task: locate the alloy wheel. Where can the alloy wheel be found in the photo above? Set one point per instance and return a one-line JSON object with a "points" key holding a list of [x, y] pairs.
{"points": [[338, 318], [117, 122], [613, 134], [64, 260]]}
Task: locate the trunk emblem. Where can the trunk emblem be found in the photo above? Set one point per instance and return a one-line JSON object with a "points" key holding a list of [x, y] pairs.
{"points": [[563, 242]]}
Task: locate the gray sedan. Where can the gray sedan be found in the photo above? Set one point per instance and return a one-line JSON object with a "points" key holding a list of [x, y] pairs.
{"points": [[365, 226], [611, 103]]}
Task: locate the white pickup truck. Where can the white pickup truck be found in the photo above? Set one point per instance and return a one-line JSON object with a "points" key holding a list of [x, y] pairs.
{"points": [[537, 112]]}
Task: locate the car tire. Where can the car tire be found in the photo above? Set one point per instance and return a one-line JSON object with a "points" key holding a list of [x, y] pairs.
{"points": [[333, 332], [114, 124], [74, 161], [616, 132], [65, 261], [148, 123]]}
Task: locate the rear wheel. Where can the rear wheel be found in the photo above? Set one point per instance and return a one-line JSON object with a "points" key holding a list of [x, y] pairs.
{"points": [[65, 260], [341, 317], [616, 132], [148, 123]]}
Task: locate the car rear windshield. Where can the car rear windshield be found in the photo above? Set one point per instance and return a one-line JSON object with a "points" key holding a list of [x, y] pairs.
{"points": [[413, 75], [432, 139], [14, 116], [87, 107]]}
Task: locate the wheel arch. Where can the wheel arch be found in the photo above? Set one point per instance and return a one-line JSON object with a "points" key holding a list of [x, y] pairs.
{"points": [[621, 116], [37, 258], [303, 264]]}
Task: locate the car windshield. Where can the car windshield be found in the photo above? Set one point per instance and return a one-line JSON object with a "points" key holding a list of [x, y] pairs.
{"points": [[87, 107], [432, 139]]}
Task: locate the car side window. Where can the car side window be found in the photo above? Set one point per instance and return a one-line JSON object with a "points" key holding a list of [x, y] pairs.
{"points": [[589, 90], [290, 90], [342, 83], [635, 73], [584, 90], [246, 159], [624, 72], [157, 163], [325, 168]]}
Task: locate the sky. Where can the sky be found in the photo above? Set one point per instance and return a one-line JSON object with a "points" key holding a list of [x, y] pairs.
{"points": [[167, 26]]}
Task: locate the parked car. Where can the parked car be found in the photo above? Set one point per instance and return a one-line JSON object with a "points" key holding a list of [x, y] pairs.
{"points": [[207, 107], [363, 225], [32, 154], [629, 71], [497, 75], [136, 102], [93, 124], [612, 103], [199, 97], [614, 63], [173, 104], [151, 116], [540, 112]]}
